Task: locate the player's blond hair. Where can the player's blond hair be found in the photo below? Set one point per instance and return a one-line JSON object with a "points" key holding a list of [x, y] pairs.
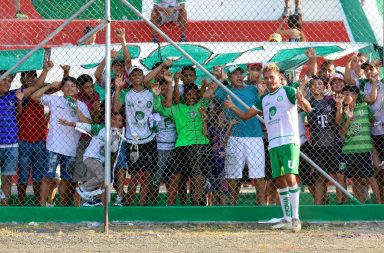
{"points": [[271, 67]]}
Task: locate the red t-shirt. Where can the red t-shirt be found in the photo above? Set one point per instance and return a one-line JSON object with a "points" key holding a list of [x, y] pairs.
{"points": [[32, 123]]}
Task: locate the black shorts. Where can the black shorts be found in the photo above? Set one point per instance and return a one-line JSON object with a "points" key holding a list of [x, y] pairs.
{"points": [[308, 175], [147, 160], [327, 158], [358, 165], [193, 160], [378, 143]]}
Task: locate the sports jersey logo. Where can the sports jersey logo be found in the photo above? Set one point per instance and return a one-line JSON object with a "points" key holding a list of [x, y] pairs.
{"points": [[192, 114], [322, 120], [149, 104], [280, 98], [167, 122], [139, 115], [272, 112], [355, 128], [130, 104]]}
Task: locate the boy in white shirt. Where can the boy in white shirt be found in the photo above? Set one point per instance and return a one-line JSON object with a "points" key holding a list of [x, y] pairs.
{"points": [[62, 140], [94, 155]]}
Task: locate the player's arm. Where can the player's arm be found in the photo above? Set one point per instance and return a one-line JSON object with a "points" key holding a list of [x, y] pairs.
{"points": [[242, 115]]}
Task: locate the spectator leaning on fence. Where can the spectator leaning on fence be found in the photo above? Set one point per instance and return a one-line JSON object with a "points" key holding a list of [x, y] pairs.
{"points": [[373, 90], [119, 67], [62, 141], [192, 150], [141, 138], [166, 140], [326, 142], [33, 126], [355, 124], [245, 145], [10, 110], [218, 131], [94, 158], [165, 11], [279, 108]]}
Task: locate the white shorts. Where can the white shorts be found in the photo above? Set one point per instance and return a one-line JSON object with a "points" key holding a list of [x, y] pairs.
{"points": [[174, 17], [241, 150]]}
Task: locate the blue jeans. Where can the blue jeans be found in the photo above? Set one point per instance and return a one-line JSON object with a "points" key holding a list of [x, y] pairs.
{"points": [[32, 155], [67, 164], [8, 161]]}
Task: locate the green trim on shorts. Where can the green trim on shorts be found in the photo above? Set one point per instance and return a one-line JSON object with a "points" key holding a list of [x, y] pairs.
{"points": [[285, 160]]}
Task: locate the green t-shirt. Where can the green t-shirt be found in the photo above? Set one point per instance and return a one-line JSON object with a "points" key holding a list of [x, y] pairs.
{"points": [[358, 138], [100, 90], [188, 121]]}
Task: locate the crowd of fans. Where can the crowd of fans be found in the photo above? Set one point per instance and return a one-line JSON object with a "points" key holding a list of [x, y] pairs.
{"points": [[180, 133]]}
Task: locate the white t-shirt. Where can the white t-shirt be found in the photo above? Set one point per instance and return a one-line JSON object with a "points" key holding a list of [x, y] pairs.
{"points": [[377, 107], [62, 139], [95, 150], [166, 137], [138, 108]]}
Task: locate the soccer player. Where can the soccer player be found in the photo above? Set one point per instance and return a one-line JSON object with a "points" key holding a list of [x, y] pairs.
{"points": [[279, 108]]}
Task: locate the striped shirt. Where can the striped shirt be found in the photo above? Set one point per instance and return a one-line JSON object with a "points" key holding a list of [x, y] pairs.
{"points": [[358, 138]]}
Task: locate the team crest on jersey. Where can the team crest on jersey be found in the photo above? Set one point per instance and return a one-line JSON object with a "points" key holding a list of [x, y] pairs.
{"points": [[139, 115], [329, 108], [149, 104], [167, 122], [355, 128], [272, 112], [12, 103], [130, 104], [280, 98], [192, 114]]}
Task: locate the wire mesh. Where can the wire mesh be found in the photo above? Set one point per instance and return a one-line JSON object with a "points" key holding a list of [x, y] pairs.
{"points": [[174, 142]]}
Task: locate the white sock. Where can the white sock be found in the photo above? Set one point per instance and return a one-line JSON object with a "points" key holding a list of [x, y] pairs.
{"points": [[294, 193], [285, 203]]}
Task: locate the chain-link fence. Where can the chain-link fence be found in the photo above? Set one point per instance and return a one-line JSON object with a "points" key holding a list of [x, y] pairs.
{"points": [[311, 69]]}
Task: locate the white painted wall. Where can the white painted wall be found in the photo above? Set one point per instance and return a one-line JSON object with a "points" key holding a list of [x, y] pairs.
{"points": [[313, 10]]}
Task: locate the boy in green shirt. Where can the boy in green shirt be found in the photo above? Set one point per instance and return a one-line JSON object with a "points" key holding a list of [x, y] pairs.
{"points": [[357, 148], [192, 149]]}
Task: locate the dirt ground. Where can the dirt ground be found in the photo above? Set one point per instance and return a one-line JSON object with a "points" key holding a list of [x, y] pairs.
{"points": [[89, 237]]}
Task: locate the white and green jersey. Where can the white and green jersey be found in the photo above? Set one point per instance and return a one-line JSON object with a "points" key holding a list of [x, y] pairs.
{"points": [[166, 137], [281, 117], [168, 3], [138, 107]]}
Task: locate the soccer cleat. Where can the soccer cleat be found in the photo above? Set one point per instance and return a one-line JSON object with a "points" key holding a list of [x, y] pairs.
{"points": [[296, 225], [286, 13], [20, 15], [283, 225], [93, 203], [183, 38], [155, 39], [118, 201], [298, 12]]}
